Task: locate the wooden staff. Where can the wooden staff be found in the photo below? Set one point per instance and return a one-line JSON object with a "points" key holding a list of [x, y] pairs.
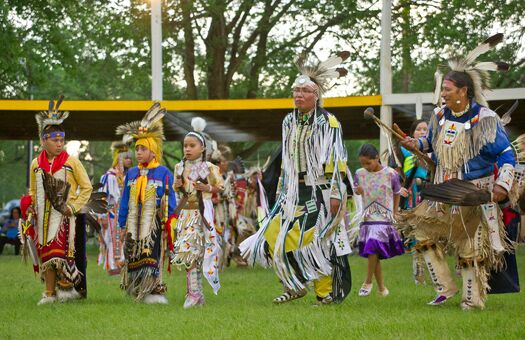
{"points": [[399, 134]]}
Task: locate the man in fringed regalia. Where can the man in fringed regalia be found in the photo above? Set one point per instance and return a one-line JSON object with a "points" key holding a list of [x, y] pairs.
{"points": [[297, 236], [148, 199], [59, 188], [467, 139], [111, 253], [255, 206]]}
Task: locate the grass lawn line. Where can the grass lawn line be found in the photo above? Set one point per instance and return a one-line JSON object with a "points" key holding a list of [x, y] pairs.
{"points": [[243, 309]]}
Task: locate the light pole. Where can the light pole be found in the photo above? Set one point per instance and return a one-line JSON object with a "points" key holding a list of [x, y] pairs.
{"points": [[156, 50], [385, 83]]}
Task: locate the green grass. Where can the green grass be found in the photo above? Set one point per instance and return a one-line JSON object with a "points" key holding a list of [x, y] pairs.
{"points": [[243, 309]]}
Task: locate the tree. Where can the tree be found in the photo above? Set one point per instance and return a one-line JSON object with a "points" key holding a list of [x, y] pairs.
{"points": [[236, 48]]}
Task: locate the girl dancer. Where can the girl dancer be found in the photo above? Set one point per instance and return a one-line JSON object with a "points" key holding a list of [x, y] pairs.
{"points": [[378, 238], [196, 248]]}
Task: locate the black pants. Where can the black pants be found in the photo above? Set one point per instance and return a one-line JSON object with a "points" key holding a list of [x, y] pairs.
{"points": [[80, 253], [15, 242]]}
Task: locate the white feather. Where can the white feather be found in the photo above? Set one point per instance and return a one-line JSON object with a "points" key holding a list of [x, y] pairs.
{"points": [[127, 139], [482, 48], [438, 77], [328, 74], [330, 62], [154, 114], [486, 66], [472, 55], [198, 124]]}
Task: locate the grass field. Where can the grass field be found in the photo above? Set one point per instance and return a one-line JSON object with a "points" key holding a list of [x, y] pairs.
{"points": [[243, 309]]}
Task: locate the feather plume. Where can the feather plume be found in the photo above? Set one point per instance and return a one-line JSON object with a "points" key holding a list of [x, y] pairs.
{"points": [[225, 150], [198, 124], [150, 126], [51, 116], [506, 118], [343, 55], [154, 114], [119, 146], [482, 48], [321, 72], [438, 77], [330, 62], [492, 66], [477, 71], [342, 71], [59, 101], [480, 81]]}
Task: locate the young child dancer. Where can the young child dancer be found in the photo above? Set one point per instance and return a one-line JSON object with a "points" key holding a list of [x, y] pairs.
{"points": [[196, 248], [59, 188], [147, 201], [111, 255], [378, 239]]}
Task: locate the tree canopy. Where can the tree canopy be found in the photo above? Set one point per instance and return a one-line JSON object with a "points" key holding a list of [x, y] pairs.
{"points": [[98, 49], [238, 48]]}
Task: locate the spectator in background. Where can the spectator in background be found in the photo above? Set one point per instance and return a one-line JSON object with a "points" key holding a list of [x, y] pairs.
{"points": [[9, 232]]}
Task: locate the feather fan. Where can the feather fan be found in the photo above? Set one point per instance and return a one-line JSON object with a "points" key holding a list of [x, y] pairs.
{"points": [[456, 192]]}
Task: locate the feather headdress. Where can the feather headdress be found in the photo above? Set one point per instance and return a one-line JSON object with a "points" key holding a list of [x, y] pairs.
{"points": [[119, 151], [221, 151], [477, 71], [119, 147], [320, 73], [149, 127], [52, 116]]}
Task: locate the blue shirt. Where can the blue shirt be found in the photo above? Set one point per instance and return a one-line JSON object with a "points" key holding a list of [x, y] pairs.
{"points": [[498, 152], [159, 175]]}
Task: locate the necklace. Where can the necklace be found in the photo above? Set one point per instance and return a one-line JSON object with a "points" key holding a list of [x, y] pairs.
{"points": [[460, 113]]}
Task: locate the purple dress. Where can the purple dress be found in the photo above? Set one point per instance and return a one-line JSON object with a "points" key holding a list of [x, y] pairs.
{"points": [[377, 234]]}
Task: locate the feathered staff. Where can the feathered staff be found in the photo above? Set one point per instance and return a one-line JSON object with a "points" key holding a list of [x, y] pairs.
{"points": [[478, 72]]}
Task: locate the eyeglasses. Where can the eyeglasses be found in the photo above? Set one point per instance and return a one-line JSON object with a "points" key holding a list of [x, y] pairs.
{"points": [[302, 90]]}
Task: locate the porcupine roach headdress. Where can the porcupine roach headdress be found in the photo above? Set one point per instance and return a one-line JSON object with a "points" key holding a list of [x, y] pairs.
{"points": [[50, 117], [148, 132], [119, 149], [318, 75], [477, 71]]}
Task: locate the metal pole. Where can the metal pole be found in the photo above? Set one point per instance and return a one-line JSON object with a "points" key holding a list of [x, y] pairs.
{"points": [[385, 84], [29, 142], [29, 161], [156, 50]]}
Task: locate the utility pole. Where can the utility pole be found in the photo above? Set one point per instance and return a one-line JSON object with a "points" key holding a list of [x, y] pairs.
{"points": [[156, 50], [385, 84]]}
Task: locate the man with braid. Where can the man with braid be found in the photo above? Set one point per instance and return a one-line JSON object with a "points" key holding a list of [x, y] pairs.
{"points": [[297, 236]]}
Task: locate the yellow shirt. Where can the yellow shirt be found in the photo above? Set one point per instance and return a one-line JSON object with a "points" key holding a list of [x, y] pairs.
{"points": [[78, 179]]}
